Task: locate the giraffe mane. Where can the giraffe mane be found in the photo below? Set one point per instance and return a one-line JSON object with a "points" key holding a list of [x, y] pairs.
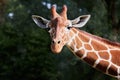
{"points": [[115, 44], [110, 42]]}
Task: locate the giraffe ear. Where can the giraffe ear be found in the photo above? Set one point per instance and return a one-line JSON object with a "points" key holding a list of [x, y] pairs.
{"points": [[80, 21], [40, 21]]}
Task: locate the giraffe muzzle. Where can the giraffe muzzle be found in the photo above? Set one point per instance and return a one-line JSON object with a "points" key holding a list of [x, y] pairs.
{"points": [[56, 46]]}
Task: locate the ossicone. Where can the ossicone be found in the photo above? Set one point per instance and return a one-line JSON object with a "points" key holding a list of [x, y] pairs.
{"points": [[64, 11]]}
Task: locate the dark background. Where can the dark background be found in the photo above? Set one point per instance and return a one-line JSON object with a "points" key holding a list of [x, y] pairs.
{"points": [[25, 48]]}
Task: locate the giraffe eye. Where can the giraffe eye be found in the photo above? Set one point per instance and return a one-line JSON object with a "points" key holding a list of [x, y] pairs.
{"points": [[48, 28], [68, 27]]}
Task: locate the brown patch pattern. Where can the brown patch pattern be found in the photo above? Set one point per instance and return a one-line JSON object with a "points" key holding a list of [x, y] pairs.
{"points": [[83, 38], [71, 34], [102, 65], [87, 46], [97, 46], [78, 43], [115, 56], [112, 70], [74, 30], [104, 55], [80, 53], [91, 58], [72, 45]]}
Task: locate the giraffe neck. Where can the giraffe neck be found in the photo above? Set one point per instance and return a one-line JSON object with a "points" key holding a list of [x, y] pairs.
{"points": [[98, 52]]}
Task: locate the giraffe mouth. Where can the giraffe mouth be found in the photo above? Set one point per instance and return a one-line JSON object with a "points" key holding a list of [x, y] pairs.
{"points": [[56, 48]]}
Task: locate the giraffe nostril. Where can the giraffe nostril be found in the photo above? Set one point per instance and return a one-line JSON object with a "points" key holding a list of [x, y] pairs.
{"points": [[54, 42], [58, 42]]}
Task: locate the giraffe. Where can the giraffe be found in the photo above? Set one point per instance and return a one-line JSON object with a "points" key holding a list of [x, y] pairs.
{"points": [[98, 52]]}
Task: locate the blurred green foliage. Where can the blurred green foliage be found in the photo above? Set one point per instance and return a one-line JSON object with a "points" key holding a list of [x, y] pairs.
{"points": [[25, 48]]}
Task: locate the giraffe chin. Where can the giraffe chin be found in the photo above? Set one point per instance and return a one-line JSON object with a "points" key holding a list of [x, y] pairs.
{"points": [[56, 48]]}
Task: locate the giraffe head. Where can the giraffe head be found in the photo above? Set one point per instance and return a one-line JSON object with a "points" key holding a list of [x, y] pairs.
{"points": [[59, 27]]}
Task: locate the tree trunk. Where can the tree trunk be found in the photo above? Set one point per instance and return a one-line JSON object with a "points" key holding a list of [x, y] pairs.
{"points": [[111, 10], [2, 11], [112, 17]]}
